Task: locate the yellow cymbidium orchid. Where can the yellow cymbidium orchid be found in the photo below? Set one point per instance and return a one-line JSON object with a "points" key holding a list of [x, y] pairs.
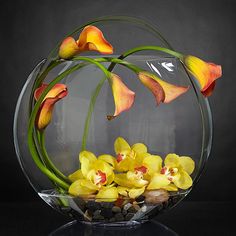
{"points": [[127, 157], [175, 174], [133, 182], [95, 176]]}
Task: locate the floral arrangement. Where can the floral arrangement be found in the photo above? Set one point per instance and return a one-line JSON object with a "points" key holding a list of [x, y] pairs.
{"points": [[133, 171]]}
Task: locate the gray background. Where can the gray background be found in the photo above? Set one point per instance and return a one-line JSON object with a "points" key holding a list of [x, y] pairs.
{"points": [[30, 29]]}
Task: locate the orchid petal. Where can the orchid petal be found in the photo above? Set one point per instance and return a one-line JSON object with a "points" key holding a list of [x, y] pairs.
{"points": [[135, 192], [121, 179], [107, 193], [172, 160], [123, 191], [92, 39], [76, 175], [44, 114], [76, 189], [187, 163], [171, 91], [121, 145], [123, 96], [108, 159], [170, 187], [184, 182], [139, 148], [153, 164], [158, 181], [204, 72]]}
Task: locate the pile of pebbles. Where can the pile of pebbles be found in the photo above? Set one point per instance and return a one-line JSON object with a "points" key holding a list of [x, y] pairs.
{"points": [[147, 205]]}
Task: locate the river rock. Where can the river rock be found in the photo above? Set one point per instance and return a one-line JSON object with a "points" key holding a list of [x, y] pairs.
{"points": [[156, 196]]}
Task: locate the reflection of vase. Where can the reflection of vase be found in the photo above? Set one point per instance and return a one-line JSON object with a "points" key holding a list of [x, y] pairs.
{"points": [[183, 126]]}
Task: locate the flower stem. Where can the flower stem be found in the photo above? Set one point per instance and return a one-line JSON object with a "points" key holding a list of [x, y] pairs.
{"points": [[47, 159], [31, 125]]}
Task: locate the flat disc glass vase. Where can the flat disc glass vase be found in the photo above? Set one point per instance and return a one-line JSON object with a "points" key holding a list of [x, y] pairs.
{"points": [[183, 126]]}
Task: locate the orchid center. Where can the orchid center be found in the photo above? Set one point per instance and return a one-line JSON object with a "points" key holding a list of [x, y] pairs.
{"points": [[100, 178], [170, 172]]}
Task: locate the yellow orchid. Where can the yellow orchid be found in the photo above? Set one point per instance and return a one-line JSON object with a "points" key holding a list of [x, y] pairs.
{"points": [[127, 157], [95, 177], [175, 174], [133, 182]]}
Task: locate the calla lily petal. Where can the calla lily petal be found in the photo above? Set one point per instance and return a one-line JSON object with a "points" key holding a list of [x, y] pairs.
{"points": [[91, 38], [123, 96], [187, 163], [68, 48], [171, 91], [44, 115], [205, 73], [154, 87]]}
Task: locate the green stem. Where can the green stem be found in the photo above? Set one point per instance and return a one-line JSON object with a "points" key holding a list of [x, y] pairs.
{"points": [[110, 68], [154, 48], [47, 159], [33, 115]]}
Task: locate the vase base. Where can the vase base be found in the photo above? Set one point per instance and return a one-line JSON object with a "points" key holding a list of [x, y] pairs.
{"points": [[132, 228]]}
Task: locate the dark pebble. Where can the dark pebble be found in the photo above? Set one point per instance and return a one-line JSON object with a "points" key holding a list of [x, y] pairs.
{"points": [[98, 217], [119, 217], [140, 198], [93, 206], [124, 212], [90, 212], [107, 204], [129, 216], [106, 212], [116, 209], [112, 219], [97, 212], [159, 207], [132, 210]]}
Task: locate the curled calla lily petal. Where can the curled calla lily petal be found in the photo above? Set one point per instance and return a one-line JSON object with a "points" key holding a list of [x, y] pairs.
{"points": [[90, 39], [123, 96], [205, 73], [163, 91], [44, 115]]}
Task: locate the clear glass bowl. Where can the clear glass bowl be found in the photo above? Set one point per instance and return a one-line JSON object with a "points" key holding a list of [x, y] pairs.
{"points": [[184, 126]]}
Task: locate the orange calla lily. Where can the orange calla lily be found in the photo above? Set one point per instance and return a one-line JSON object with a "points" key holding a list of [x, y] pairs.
{"points": [[90, 39], [123, 96], [163, 91], [206, 73], [44, 115]]}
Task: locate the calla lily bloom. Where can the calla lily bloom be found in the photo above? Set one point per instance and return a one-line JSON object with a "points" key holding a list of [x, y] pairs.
{"points": [[123, 96], [163, 91], [90, 39], [127, 157], [95, 177], [206, 73], [177, 171], [44, 115]]}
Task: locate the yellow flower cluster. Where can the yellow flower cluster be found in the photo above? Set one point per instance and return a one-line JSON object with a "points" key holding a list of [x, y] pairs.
{"points": [[133, 171]]}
